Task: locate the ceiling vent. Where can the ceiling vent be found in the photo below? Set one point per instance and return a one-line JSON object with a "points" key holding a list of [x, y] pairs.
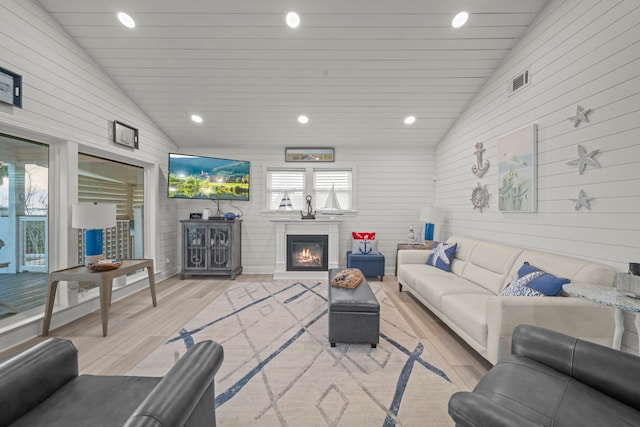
{"points": [[519, 82]]}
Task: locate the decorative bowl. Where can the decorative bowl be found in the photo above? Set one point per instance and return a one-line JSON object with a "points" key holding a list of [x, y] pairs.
{"points": [[104, 265]]}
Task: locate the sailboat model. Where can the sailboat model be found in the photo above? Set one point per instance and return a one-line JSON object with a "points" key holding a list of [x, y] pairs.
{"points": [[285, 203], [331, 205]]}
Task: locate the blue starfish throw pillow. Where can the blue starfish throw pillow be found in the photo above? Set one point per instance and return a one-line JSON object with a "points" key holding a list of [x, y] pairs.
{"points": [[519, 286], [544, 282], [442, 255]]}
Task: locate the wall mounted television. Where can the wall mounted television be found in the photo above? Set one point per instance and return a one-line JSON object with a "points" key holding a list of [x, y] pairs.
{"points": [[212, 178]]}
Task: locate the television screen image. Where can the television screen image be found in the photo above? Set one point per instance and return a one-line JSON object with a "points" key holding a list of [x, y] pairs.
{"points": [[199, 177]]}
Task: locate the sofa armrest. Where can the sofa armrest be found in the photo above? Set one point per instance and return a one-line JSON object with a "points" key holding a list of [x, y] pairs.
{"points": [[469, 409], [30, 377], [177, 396], [573, 316], [610, 371], [413, 256]]}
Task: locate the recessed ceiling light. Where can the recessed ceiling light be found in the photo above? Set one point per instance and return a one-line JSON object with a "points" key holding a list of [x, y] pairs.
{"points": [[196, 118], [126, 20], [460, 19], [303, 119], [409, 120], [293, 19]]}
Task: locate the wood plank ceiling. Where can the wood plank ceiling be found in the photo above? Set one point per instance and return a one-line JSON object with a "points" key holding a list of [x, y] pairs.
{"points": [[356, 68]]}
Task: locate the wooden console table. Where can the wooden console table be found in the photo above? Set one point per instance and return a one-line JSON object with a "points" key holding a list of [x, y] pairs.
{"points": [[105, 281]]}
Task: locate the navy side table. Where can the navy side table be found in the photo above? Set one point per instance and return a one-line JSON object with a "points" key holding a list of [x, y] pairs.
{"points": [[370, 265]]}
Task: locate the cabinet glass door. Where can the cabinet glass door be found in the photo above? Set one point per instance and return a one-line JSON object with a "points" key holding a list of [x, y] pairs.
{"points": [[220, 244], [196, 248]]}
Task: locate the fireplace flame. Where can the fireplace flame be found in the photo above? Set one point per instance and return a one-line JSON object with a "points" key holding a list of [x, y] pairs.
{"points": [[307, 259]]}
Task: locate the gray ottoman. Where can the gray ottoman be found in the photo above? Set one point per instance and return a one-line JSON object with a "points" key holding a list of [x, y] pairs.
{"points": [[354, 314]]}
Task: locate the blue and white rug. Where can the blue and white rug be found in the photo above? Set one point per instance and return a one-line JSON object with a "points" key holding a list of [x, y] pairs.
{"points": [[279, 369]]}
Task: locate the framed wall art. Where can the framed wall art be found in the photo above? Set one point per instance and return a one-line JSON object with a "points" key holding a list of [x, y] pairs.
{"points": [[326, 154], [10, 88], [125, 134], [517, 170]]}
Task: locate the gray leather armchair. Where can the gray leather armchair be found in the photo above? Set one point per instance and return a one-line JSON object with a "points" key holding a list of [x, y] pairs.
{"points": [[41, 387], [552, 379]]}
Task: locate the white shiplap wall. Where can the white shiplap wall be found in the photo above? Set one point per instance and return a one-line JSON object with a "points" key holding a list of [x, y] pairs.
{"points": [[578, 52], [68, 100], [67, 96], [392, 183]]}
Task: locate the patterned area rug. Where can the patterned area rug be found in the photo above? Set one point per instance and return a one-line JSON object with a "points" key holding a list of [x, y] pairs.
{"points": [[279, 369]]}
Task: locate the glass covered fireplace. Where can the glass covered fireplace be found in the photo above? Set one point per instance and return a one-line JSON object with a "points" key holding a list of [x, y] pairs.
{"points": [[307, 252]]}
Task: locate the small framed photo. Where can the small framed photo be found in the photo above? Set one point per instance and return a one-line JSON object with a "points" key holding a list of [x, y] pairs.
{"points": [[325, 154], [125, 134], [10, 88]]}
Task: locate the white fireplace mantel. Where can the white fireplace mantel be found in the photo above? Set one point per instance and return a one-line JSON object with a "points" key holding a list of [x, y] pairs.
{"points": [[288, 226]]}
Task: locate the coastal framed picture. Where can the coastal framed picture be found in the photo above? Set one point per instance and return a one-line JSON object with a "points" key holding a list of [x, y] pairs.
{"points": [[10, 88], [517, 170], [125, 134], [324, 154]]}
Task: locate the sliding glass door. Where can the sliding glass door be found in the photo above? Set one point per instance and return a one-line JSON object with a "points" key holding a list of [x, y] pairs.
{"points": [[24, 225], [106, 181]]}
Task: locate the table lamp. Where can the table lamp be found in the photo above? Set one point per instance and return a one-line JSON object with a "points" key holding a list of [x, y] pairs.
{"points": [[93, 218], [429, 216]]}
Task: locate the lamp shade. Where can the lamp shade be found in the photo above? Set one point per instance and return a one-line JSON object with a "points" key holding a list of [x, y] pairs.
{"points": [[430, 214], [92, 215]]}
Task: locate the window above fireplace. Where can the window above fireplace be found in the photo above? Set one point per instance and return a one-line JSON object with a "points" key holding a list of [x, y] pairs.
{"points": [[299, 182]]}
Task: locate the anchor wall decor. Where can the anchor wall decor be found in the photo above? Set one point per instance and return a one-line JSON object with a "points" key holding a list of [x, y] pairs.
{"points": [[479, 169]]}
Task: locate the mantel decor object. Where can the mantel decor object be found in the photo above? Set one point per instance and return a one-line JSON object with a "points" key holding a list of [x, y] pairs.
{"points": [[331, 206], [10, 88], [285, 202], [125, 134], [310, 214]]}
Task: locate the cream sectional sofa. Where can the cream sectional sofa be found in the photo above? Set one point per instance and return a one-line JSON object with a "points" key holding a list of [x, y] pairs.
{"points": [[467, 300]]}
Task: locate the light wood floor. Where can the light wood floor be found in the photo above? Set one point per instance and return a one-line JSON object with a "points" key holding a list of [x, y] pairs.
{"points": [[136, 328]]}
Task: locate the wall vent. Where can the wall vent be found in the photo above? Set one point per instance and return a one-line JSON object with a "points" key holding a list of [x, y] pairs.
{"points": [[519, 82]]}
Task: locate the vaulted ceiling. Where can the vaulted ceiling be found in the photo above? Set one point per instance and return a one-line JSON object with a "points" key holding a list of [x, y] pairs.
{"points": [[356, 68]]}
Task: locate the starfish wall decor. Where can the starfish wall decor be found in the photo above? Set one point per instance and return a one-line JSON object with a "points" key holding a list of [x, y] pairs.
{"points": [[582, 115], [585, 159], [582, 201]]}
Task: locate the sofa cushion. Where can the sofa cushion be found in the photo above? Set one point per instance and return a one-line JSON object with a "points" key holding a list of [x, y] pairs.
{"points": [[489, 265], [434, 287], [442, 255], [469, 312], [463, 252], [541, 281]]}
